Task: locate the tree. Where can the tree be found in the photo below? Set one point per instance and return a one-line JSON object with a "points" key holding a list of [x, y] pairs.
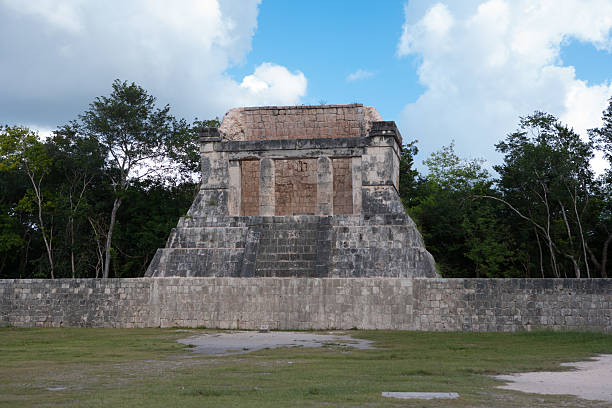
{"points": [[462, 231], [547, 182], [10, 240], [79, 162], [409, 176], [602, 137], [144, 226], [602, 140], [139, 140], [20, 148]]}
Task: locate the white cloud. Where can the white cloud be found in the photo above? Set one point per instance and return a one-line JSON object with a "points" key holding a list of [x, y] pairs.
{"points": [[63, 53], [61, 15], [44, 132], [274, 84], [485, 65], [359, 74]]}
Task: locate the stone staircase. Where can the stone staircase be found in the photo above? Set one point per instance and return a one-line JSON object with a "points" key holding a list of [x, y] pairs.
{"points": [[293, 246], [343, 246], [200, 247], [246, 247]]}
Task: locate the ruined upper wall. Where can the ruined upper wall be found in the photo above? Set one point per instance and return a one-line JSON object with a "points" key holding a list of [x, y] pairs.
{"points": [[298, 122]]}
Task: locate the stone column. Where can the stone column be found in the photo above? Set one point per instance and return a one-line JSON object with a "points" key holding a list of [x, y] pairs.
{"points": [[213, 194], [267, 199], [325, 186], [380, 170], [356, 181]]}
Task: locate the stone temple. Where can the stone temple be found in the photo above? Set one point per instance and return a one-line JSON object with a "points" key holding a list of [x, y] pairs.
{"points": [[297, 191]]}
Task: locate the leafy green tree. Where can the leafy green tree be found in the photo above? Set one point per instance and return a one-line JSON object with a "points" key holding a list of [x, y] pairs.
{"points": [[602, 137], [11, 241], [144, 225], [409, 176], [547, 182], [460, 229], [21, 149], [602, 140], [79, 163], [139, 138]]}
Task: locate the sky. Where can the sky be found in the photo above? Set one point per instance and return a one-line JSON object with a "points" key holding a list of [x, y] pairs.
{"points": [[448, 70]]}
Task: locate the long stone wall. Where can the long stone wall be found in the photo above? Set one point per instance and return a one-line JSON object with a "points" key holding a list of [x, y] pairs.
{"points": [[311, 303]]}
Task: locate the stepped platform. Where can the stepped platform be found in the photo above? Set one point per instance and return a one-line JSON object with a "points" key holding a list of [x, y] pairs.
{"points": [[297, 191], [294, 246]]}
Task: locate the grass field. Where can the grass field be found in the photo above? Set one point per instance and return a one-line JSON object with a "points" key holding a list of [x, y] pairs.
{"points": [[148, 368]]}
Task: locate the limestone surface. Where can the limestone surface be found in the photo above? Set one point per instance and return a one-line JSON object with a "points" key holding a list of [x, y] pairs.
{"points": [[589, 380], [240, 342], [421, 395], [297, 191], [479, 305]]}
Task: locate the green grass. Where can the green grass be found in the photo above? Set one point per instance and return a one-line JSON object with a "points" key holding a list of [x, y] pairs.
{"points": [[148, 368]]}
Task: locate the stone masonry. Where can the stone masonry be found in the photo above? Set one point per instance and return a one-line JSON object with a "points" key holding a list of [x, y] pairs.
{"points": [[480, 305], [297, 191], [298, 225]]}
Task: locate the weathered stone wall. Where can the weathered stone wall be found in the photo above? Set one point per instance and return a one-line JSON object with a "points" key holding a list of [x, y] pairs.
{"points": [[295, 186], [249, 176], [310, 303], [341, 246], [383, 245], [298, 122], [343, 185]]}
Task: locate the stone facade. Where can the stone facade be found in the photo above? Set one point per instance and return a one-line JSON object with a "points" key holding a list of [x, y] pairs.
{"points": [[303, 122], [310, 303], [303, 191]]}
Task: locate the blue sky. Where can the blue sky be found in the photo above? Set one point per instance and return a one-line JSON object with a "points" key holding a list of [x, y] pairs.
{"points": [[591, 64], [329, 40], [461, 70]]}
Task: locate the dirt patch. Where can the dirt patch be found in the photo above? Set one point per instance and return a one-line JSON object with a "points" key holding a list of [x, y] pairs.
{"points": [[246, 341], [590, 380]]}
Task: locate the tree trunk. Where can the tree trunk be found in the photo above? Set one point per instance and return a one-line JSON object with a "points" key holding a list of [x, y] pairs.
{"points": [[99, 252], [578, 220], [23, 259], [571, 241], [109, 237], [604, 257], [72, 245], [540, 249], [39, 202]]}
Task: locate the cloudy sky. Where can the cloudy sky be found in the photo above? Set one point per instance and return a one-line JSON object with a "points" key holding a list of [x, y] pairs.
{"points": [[462, 70]]}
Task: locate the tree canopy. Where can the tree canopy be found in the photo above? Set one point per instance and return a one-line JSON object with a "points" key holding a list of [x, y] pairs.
{"points": [[64, 194], [541, 212], [544, 214]]}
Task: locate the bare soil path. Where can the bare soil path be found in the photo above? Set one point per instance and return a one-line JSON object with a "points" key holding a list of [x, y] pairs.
{"points": [[590, 380]]}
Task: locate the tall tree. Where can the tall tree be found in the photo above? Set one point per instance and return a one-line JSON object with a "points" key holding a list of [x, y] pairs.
{"points": [[409, 176], [79, 162], [602, 140], [546, 181], [21, 148], [461, 230], [139, 138], [602, 137]]}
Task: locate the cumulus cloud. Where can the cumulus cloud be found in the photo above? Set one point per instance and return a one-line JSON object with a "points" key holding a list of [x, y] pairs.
{"points": [[63, 53], [359, 74], [272, 83], [485, 65]]}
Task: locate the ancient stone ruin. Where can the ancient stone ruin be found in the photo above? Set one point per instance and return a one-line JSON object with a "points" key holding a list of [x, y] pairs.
{"points": [[298, 210], [297, 191]]}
